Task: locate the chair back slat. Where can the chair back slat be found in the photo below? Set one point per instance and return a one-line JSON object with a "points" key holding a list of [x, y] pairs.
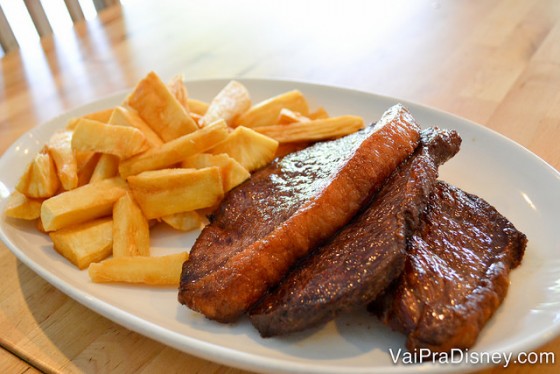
{"points": [[39, 17], [75, 10], [7, 38]]}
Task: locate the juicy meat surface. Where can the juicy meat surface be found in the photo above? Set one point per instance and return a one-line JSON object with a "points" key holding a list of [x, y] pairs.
{"points": [[264, 225], [365, 256], [456, 274]]}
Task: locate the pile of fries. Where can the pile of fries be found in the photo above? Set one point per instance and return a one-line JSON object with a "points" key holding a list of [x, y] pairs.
{"points": [[98, 186]]}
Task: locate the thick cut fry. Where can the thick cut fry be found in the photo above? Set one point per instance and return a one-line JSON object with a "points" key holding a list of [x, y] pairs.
{"points": [[319, 129], [175, 151], [266, 112], [60, 149], [39, 180], [320, 113], [233, 173], [164, 192], [101, 116], [131, 233], [121, 141], [197, 106], [82, 204], [288, 116], [85, 243], [107, 167], [23, 207], [178, 89], [185, 221], [87, 162], [123, 116], [160, 109], [158, 271], [248, 147], [229, 103]]}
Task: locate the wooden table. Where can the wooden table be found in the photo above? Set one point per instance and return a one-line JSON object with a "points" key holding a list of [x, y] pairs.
{"points": [[494, 62]]}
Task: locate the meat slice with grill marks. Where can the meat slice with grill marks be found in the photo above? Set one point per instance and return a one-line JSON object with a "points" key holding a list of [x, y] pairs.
{"points": [[266, 224], [365, 256], [456, 273]]}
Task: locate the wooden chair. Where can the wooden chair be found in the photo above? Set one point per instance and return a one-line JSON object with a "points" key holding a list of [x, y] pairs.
{"points": [[8, 40]]}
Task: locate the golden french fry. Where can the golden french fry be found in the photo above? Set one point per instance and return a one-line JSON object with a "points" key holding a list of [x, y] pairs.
{"points": [[320, 113], [319, 129], [60, 149], [229, 103], [39, 179], [23, 207], [101, 116], [82, 204], [159, 271], [175, 151], [131, 233], [233, 173], [197, 106], [85, 243], [164, 192], [179, 91], [251, 149], [160, 109], [106, 167], [121, 141], [288, 116], [266, 112], [123, 116], [185, 221], [87, 162]]}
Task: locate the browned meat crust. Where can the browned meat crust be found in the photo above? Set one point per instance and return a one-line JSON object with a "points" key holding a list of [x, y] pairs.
{"points": [[366, 256], [456, 274], [265, 225]]}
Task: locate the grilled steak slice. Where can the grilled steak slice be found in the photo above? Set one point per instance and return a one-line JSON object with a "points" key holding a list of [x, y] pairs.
{"points": [[456, 273], [361, 260], [263, 226]]}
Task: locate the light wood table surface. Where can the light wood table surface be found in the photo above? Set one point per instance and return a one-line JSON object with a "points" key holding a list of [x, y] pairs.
{"points": [[494, 62]]}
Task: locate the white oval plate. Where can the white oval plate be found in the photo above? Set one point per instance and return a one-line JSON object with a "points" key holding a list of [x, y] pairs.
{"points": [[519, 184]]}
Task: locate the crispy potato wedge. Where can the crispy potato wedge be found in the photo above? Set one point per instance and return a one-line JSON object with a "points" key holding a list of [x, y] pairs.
{"points": [[106, 167], [164, 192], [82, 204], [179, 90], [121, 141], [23, 207], [101, 116], [160, 109], [60, 149], [131, 233], [250, 148], [185, 221], [85, 243], [233, 173], [319, 129], [123, 116], [176, 150], [40, 179], [319, 113], [229, 103], [266, 112], [288, 116], [157, 271], [197, 106], [87, 162]]}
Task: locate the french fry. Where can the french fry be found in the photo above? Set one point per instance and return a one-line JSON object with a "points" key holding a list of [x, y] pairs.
{"points": [[157, 271], [319, 113], [233, 173], [23, 207], [106, 167], [85, 243], [266, 112], [101, 116], [251, 149], [121, 141], [60, 149], [87, 162], [175, 151], [40, 179], [164, 192], [229, 103], [185, 221], [131, 233], [319, 129], [179, 90], [82, 204], [288, 116], [123, 116], [160, 109], [197, 106]]}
